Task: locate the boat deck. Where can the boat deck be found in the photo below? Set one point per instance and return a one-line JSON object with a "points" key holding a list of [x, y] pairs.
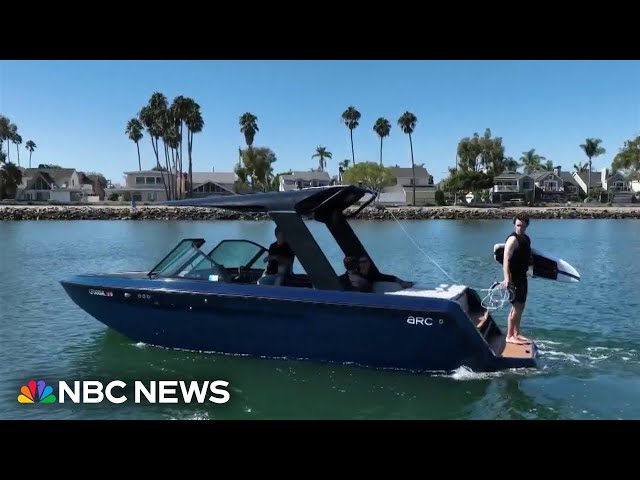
{"points": [[497, 341], [503, 349]]}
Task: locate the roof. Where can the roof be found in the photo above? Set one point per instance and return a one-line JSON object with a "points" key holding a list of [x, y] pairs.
{"points": [[305, 201], [408, 172], [596, 178], [306, 176], [216, 177], [57, 176], [509, 175]]}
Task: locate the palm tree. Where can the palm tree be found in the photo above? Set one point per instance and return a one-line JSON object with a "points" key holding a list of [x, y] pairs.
{"points": [[17, 139], [134, 130], [342, 166], [383, 128], [322, 153], [31, 146], [4, 130], [10, 178], [407, 123], [531, 161], [510, 164], [579, 167], [351, 118], [249, 127], [151, 117], [12, 133], [195, 124], [592, 149]]}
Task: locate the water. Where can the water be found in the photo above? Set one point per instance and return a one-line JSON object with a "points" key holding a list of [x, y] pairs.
{"points": [[589, 333]]}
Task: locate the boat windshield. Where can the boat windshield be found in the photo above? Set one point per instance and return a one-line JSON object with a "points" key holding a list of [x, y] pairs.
{"points": [[176, 259], [238, 253]]}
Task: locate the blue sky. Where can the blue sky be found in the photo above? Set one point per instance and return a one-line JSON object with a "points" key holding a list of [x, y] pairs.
{"points": [[76, 111]]}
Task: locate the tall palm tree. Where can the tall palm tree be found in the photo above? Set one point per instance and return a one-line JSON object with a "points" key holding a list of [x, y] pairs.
{"points": [[249, 127], [351, 118], [12, 133], [31, 146], [407, 123], [17, 140], [195, 124], [4, 130], [383, 128], [592, 149], [322, 153], [134, 130], [151, 116]]}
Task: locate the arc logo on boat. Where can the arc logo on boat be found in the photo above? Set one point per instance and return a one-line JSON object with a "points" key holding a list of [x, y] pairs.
{"points": [[426, 321]]}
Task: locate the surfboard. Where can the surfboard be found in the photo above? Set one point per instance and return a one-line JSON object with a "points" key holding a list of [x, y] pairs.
{"points": [[545, 265]]}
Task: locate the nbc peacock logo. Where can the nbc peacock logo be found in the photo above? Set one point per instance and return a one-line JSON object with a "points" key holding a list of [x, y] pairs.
{"points": [[44, 393]]}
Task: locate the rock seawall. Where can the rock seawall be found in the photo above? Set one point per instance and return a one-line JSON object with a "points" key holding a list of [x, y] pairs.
{"points": [[408, 213]]}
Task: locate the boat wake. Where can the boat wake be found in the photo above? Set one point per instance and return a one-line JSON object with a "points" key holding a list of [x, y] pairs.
{"points": [[552, 355]]}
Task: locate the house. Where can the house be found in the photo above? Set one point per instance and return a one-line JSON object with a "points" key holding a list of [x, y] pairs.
{"points": [[148, 185], [56, 184], [544, 185], [297, 180], [402, 192], [614, 183], [142, 186], [206, 184]]}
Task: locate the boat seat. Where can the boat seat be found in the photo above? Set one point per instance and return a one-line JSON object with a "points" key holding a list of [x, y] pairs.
{"points": [[457, 293]]}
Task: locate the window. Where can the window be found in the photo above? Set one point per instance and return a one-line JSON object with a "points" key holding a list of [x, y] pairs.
{"points": [[139, 180], [238, 253], [180, 255], [40, 184]]}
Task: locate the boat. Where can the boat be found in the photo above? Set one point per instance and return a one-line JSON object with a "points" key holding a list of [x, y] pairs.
{"points": [[213, 300]]}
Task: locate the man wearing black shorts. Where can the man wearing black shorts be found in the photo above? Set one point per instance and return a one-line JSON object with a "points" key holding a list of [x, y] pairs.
{"points": [[516, 261]]}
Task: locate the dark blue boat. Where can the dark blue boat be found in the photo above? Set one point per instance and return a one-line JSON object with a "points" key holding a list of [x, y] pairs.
{"points": [[212, 301]]}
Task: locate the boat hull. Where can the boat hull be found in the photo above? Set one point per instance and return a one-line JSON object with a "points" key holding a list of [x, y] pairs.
{"points": [[372, 330]]}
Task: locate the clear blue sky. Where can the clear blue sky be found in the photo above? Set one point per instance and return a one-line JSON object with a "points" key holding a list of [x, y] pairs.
{"points": [[76, 111]]}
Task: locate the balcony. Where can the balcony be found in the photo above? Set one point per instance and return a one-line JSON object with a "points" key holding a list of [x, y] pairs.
{"points": [[551, 188], [505, 188]]}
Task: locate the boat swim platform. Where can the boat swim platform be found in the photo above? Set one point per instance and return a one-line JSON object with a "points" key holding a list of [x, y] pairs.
{"points": [[481, 319]]}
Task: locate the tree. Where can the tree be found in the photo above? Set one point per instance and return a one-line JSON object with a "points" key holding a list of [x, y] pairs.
{"points": [[31, 146], [383, 128], [258, 167], [322, 153], [531, 161], [592, 149], [134, 131], [372, 176], [249, 127], [10, 178], [484, 153], [627, 161], [351, 118], [407, 123]]}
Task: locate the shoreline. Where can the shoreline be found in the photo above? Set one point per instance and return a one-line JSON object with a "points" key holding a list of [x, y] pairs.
{"points": [[102, 212]]}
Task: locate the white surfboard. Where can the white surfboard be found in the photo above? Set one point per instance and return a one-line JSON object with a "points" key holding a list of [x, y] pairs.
{"points": [[545, 265]]}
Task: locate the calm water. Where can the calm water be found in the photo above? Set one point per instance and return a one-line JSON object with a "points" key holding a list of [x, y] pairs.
{"points": [[589, 333]]}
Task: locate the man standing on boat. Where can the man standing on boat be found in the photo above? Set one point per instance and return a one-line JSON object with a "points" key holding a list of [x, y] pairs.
{"points": [[280, 261], [516, 261]]}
